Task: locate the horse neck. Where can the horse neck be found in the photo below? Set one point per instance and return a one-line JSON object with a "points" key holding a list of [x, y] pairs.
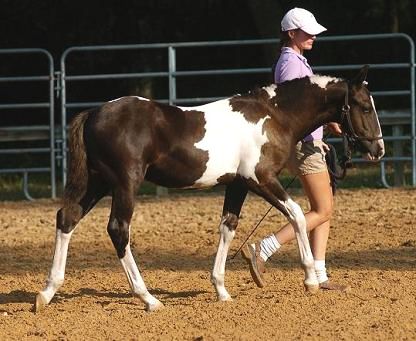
{"points": [[309, 106]]}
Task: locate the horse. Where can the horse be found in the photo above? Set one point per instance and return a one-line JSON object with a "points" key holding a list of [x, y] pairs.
{"points": [[242, 142]]}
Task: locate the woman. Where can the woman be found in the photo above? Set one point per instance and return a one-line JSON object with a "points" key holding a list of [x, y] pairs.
{"points": [[299, 30]]}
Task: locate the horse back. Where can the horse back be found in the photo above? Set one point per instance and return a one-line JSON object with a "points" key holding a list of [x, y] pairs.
{"points": [[174, 146]]}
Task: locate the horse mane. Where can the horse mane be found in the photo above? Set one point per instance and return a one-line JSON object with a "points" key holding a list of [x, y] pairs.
{"points": [[259, 93], [323, 80], [265, 93]]}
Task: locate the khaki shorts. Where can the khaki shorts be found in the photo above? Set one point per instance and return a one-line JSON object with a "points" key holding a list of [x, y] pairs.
{"points": [[308, 158]]}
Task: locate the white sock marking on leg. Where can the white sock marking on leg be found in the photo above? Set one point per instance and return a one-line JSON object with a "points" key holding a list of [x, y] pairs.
{"points": [[136, 282], [297, 219], [57, 272], [218, 272]]}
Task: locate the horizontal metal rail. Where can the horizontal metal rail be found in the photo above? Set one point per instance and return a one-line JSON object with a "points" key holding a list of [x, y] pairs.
{"points": [[25, 79], [24, 150], [25, 172], [25, 105]]}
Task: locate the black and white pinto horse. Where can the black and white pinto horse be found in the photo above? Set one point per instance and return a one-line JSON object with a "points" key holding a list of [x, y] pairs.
{"points": [[242, 142]]}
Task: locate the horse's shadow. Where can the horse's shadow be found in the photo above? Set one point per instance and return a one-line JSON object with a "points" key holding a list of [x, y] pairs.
{"points": [[127, 295], [22, 296], [17, 296], [179, 294]]}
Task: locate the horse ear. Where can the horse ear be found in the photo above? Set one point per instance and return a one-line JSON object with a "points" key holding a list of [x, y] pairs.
{"points": [[360, 78]]}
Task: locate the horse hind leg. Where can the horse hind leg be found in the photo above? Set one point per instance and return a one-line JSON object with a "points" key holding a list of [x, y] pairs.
{"points": [[235, 195], [66, 220], [119, 231]]}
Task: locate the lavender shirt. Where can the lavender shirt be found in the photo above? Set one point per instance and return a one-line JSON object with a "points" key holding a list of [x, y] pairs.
{"points": [[293, 65]]}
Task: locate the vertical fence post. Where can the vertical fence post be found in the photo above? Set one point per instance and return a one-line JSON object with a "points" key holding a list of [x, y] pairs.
{"points": [[52, 127], [413, 108], [172, 76], [399, 178], [63, 120], [172, 96]]}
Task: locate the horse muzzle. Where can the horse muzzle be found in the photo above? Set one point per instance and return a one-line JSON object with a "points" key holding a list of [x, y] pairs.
{"points": [[375, 150]]}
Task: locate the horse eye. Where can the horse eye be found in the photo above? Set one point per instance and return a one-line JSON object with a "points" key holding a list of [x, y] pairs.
{"points": [[366, 111]]}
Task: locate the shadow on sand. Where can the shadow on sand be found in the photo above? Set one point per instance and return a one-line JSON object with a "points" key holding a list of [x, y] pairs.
{"points": [[397, 258]]}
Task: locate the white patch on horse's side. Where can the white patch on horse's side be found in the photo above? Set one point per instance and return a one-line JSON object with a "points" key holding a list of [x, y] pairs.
{"points": [[233, 144], [271, 90], [322, 81]]}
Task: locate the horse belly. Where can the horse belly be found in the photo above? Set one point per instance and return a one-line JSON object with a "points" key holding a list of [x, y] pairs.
{"points": [[223, 160]]}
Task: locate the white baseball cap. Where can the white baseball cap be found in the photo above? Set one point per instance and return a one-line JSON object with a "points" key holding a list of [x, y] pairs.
{"points": [[303, 19]]}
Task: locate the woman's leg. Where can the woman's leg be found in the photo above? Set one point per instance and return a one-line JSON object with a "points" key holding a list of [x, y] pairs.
{"points": [[319, 193], [318, 190]]}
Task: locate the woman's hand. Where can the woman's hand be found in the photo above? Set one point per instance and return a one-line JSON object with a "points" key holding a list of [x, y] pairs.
{"points": [[334, 128]]}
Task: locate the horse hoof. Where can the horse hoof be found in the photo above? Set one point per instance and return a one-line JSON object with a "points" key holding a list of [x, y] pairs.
{"points": [[225, 298], [311, 289], [154, 306], [41, 302]]}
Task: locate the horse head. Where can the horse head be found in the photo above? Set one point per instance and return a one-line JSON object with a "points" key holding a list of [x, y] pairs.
{"points": [[359, 118]]}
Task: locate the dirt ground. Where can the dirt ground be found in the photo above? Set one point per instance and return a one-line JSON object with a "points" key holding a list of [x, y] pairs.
{"points": [[372, 248]]}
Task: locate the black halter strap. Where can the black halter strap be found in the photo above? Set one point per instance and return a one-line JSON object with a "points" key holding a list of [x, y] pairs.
{"points": [[349, 139], [351, 135]]}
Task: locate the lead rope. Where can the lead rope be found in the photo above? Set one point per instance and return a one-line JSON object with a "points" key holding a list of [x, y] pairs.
{"points": [[259, 222], [337, 169], [345, 163]]}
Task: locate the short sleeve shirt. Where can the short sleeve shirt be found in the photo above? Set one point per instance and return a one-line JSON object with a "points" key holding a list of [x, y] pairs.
{"points": [[293, 65]]}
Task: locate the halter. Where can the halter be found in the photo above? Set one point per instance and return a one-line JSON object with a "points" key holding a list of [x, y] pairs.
{"points": [[349, 139], [352, 136]]}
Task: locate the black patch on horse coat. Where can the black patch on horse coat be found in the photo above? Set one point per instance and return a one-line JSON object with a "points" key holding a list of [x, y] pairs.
{"points": [[146, 138], [226, 178], [254, 106]]}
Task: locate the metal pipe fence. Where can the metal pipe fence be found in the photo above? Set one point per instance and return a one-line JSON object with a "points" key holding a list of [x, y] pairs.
{"points": [[58, 156], [173, 74], [49, 77]]}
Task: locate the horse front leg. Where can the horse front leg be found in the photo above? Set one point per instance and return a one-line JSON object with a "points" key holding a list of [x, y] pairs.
{"points": [[298, 221], [272, 191], [227, 232], [235, 195]]}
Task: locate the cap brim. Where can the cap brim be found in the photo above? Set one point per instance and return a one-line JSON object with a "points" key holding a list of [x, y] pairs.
{"points": [[313, 29]]}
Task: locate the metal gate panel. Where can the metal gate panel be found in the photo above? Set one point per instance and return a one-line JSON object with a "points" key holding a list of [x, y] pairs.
{"points": [[49, 77]]}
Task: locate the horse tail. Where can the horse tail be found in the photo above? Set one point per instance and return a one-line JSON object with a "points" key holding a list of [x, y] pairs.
{"points": [[77, 181]]}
